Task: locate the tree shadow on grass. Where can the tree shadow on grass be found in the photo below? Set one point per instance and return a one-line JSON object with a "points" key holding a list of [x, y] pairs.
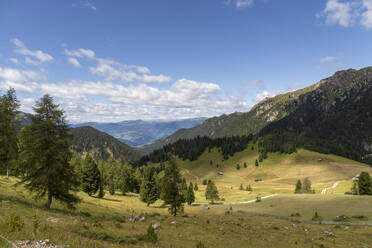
{"points": [[107, 199]]}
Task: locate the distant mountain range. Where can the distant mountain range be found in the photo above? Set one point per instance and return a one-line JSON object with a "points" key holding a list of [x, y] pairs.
{"points": [[138, 133]]}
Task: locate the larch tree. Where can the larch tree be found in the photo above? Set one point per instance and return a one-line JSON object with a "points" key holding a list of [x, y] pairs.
{"points": [[298, 187], [45, 152], [211, 192], [9, 105], [149, 189], [91, 177], [172, 193], [190, 196], [365, 184]]}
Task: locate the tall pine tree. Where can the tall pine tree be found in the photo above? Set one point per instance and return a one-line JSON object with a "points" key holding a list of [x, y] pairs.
{"points": [[298, 187], [9, 105], [91, 178], [149, 189], [211, 192], [365, 184], [45, 154], [171, 188], [190, 195]]}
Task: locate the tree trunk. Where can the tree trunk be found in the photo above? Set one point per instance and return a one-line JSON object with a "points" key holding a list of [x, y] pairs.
{"points": [[148, 204], [49, 200], [7, 173]]}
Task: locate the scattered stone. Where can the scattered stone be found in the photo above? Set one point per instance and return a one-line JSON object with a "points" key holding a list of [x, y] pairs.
{"points": [[156, 225], [206, 208], [329, 233], [174, 222], [347, 227], [52, 219], [142, 218], [38, 244], [286, 228], [294, 225]]}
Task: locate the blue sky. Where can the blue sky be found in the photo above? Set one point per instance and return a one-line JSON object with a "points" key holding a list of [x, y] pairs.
{"points": [[108, 60]]}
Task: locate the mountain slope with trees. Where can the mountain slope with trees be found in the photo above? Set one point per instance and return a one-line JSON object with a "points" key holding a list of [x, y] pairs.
{"points": [[99, 145], [335, 112], [238, 124]]}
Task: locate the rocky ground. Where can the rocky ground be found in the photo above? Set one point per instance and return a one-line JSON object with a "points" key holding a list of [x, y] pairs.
{"points": [[37, 244]]}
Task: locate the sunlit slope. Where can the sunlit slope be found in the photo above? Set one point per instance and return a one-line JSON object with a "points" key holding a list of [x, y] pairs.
{"points": [[279, 172]]}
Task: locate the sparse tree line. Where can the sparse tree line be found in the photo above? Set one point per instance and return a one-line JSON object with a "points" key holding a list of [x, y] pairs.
{"points": [[304, 187], [191, 149], [286, 142]]}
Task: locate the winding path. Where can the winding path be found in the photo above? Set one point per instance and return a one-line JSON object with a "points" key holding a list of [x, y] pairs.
{"points": [[324, 191]]}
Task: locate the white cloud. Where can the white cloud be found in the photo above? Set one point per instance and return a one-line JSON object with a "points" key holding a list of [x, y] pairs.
{"points": [[337, 12], [14, 61], [90, 5], [155, 78], [112, 70], [185, 98], [346, 13], [327, 59], [74, 62], [30, 61], [366, 19], [262, 95], [244, 3], [80, 53], [22, 49], [20, 80]]}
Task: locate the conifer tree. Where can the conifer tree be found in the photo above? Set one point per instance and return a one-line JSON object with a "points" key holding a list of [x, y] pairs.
{"points": [[249, 188], [45, 154], [91, 178], [127, 180], [211, 192], [196, 188], [149, 189], [306, 186], [245, 164], [238, 166], [184, 188], [172, 188], [9, 105], [241, 187], [112, 188], [365, 184], [190, 196], [298, 187], [101, 167], [355, 189]]}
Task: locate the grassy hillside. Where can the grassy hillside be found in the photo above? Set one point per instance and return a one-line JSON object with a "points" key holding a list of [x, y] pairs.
{"points": [[279, 173], [105, 223]]}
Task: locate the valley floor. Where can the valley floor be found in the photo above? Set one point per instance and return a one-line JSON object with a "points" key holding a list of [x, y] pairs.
{"points": [[112, 222], [106, 222]]}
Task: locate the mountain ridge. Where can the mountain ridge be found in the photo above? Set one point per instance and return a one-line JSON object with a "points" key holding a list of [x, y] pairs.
{"points": [[278, 113], [137, 133]]}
